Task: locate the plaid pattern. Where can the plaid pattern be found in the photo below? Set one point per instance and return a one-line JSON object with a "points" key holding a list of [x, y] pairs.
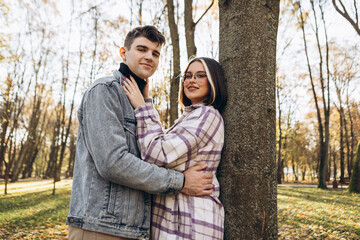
{"points": [[196, 137]]}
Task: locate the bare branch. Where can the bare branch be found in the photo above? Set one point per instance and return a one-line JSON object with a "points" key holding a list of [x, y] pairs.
{"points": [[212, 3], [345, 14]]}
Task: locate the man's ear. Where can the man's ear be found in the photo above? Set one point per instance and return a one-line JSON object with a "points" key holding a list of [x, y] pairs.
{"points": [[122, 52]]}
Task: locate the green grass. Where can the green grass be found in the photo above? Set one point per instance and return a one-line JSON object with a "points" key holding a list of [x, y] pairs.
{"points": [[30, 211], [311, 213]]}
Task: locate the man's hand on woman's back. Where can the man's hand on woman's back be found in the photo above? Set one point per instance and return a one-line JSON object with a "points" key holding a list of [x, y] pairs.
{"points": [[198, 183]]}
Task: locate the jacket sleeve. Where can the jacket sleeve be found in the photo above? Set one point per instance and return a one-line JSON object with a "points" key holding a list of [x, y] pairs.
{"points": [[182, 142], [106, 141]]}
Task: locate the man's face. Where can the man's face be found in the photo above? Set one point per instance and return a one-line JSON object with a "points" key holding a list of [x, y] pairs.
{"points": [[142, 58]]}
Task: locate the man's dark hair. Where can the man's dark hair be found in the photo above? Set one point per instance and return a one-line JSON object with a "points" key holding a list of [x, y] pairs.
{"points": [[149, 32]]}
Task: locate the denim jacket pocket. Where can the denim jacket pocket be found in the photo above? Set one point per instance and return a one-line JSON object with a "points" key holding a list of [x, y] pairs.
{"points": [[130, 132], [117, 199], [130, 126]]}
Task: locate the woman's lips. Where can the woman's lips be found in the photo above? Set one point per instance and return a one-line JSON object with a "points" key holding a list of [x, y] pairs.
{"points": [[192, 88]]}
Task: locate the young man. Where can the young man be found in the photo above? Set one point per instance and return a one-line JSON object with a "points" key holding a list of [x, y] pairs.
{"points": [[110, 197]]}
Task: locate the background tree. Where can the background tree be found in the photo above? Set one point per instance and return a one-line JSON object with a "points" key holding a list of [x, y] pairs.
{"points": [[342, 9], [323, 112], [248, 31], [354, 185], [190, 26], [175, 78]]}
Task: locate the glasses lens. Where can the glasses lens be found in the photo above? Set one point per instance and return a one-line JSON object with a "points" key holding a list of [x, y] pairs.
{"points": [[200, 75], [188, 76]]}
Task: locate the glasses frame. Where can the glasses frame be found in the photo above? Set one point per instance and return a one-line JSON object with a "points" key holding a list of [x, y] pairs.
{"points": [[195, 76]]}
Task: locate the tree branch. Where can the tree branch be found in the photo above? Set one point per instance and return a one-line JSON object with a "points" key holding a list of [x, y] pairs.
{"points": [[345, 14], [212, 3]]}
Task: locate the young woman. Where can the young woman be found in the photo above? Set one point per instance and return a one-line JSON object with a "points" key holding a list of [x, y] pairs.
{"points": [[196, 137]]}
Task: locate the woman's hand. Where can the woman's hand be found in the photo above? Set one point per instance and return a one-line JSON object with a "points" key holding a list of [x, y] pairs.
{"points": [[132, 90]]}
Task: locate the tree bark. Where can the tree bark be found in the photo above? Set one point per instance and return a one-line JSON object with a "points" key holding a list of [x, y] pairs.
{"points": [[247, 172], [351, 131], [342, 153], [189, 28], [279, 162], [354, 185], [174, 82]]}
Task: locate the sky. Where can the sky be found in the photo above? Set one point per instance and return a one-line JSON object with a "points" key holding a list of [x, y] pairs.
{"points": [[291, 63]]}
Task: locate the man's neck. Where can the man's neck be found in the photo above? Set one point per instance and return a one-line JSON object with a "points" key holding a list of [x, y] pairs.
{"points": [[125, 70]]}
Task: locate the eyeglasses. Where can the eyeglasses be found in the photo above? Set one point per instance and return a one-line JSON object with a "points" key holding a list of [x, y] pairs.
{"points": [[197, 76]]}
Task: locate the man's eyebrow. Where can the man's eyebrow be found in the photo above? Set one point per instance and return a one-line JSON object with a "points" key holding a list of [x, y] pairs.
{"points": [[142, 46], [145, 47]]}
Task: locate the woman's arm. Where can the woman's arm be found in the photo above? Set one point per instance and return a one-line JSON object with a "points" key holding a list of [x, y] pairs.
{"points": [[182, 142]]}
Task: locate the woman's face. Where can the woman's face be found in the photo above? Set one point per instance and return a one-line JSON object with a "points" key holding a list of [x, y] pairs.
{"points": [[196, 84]]}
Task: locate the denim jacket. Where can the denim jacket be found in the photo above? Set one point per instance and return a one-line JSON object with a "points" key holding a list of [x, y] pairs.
{"points": [[111, 184]]}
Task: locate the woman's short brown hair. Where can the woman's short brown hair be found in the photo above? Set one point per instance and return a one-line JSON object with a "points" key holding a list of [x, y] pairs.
{"points": [[216, 78]]}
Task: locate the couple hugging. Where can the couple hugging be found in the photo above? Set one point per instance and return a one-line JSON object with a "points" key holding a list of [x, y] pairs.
{"points": [[133, 179]]}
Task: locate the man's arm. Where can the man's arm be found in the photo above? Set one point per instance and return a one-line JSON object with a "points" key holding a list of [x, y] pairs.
{"points": [[196, 182], [106, 141]]}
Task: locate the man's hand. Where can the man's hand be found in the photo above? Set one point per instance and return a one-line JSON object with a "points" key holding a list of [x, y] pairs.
{"points": [[198, 183]]}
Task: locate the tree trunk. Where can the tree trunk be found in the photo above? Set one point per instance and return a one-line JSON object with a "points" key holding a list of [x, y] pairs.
{"points": [[247, 172], [334, 161], [279, 165], [174, 82], [354, 185], [303, 173], [351, 132], [72, 149], [342, 154], [189, 29], [347, 141], [323, 127], [294, 169], [190, 26]]}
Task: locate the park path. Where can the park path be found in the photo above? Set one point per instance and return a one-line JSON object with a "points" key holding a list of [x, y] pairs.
{"points": [[308, 185]]}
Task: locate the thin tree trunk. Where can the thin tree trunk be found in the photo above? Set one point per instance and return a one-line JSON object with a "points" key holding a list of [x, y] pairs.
{"points": [[279, 165], [323, 135], [174, 81], [334, 163], [189, 28], [347, 141], [342, 154], [351, 132]]}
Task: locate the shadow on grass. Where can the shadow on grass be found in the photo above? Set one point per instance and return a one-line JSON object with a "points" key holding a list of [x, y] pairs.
{"points": [[305, 210], [306, 223], [34, 210], [43, 219], [28, 200], [320, 196]]}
